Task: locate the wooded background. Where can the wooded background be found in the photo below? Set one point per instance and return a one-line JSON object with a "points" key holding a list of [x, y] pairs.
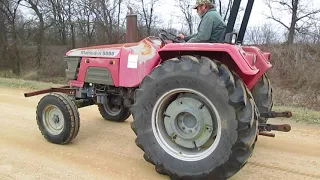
{"points": [[36, 34]]}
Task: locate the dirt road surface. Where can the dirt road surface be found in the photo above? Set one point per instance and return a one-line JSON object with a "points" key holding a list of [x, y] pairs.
{"points": [[106, 150]]}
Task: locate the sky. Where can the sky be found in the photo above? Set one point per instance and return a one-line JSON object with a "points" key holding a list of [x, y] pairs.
{"points": [[170, 9]]}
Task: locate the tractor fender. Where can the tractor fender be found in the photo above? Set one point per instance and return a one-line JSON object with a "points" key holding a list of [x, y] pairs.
{"points": [[249, 62], [245, 61]]}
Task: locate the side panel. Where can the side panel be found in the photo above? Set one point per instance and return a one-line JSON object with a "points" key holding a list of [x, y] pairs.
{"points": [[137, 62], [101, 70]]}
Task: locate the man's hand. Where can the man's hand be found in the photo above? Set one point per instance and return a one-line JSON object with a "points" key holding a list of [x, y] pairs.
{"points": [[181, 36]]}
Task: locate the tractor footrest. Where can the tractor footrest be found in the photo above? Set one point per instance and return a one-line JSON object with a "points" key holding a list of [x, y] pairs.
{"points": [[273, 127], [273, 114]]}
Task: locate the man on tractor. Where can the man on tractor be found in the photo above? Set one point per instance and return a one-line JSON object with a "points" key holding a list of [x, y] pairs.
{"points": [[211, 28]]}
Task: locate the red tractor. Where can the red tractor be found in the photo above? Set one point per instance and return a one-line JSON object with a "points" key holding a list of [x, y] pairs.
{"points": [[197, 108]]}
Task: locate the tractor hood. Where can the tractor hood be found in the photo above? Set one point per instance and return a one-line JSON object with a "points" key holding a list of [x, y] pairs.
{"points": [[145, 47], [104, 51]]}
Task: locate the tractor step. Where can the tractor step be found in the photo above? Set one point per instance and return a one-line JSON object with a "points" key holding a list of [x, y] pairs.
{"points": [[273, 114], [273, 127]]}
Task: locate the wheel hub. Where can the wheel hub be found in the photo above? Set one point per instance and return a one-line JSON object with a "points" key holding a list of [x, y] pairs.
{"points": [[188, 122], [111, 108], [53, 119]]}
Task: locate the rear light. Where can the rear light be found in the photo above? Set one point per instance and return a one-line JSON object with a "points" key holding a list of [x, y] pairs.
{"points": [[267, 55], [162, 45], [251, 58]]}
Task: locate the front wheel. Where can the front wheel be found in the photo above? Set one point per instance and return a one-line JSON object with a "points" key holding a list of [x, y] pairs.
{"points": [[58, 118], [199, 122]]}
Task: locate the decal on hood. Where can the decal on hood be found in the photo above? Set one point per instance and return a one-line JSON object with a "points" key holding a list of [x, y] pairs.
{"points": [[94, 52]]}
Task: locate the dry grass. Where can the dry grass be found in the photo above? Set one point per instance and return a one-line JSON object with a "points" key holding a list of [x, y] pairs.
{"points": [[296, 66], [301, 114], [26, 84], [295, 74]]}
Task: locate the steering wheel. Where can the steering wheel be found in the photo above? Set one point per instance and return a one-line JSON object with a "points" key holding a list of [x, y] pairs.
{"points": [[174, 38]]}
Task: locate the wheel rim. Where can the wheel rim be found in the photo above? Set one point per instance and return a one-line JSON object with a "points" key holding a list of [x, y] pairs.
{"points": [[110, 109], [187, 126], [53, 119]]}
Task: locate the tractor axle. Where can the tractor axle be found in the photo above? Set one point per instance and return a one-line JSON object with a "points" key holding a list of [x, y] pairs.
{"points": [[273, 114], [273, 127]]}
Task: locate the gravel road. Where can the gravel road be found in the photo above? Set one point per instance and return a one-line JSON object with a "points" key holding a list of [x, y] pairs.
{"points": [[106, 150]]}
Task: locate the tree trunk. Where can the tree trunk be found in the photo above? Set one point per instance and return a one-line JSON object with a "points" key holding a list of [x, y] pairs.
{"points": [[40, 40], [40, 44], [64, 34], [2, 41], [73, 36], [293, 21], [119, 11], [16, 60], [190, 26]]}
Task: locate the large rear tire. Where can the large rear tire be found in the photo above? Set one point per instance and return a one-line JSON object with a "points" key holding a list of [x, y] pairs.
{"points": [[262, 94], [199, 122], [58, 118]]}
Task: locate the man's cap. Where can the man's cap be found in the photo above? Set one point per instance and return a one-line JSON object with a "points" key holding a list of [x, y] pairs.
{"points": [[199, 2]]}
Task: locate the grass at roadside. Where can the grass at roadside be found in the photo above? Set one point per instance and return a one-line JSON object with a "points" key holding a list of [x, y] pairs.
{"points": [[19, 83], [300, 114]]}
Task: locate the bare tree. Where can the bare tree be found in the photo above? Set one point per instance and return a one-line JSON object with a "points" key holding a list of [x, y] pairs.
{"points": [[59, 13], [70, 12], [311, 34], [38, 9], [146, 11], [3, 38], [224, 8], [299, 10], [264, 34], [186, 9], [107, 15], [119, 12], [85, 18], [10, 10]]}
